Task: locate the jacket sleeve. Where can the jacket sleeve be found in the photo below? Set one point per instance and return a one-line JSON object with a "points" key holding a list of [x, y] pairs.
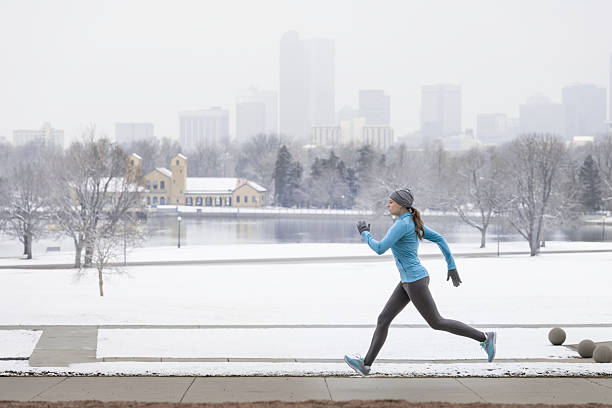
{"points": [[433, 236], [396, 231]]}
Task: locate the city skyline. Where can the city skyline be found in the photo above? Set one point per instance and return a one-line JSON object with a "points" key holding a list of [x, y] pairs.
{"points": [[98, 69]]}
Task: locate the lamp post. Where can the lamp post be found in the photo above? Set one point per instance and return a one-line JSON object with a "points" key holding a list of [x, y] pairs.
{"points": [[179, 231], [603, 228]]}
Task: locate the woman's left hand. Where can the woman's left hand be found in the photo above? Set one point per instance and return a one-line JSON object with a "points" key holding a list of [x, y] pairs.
{"points": [[454, 275]]}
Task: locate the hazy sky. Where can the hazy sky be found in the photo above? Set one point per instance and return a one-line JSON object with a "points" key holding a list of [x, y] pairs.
{"points": [[78, 62]]}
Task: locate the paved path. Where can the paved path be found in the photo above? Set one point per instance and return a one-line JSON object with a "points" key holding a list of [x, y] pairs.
{"points": [[62, 345], [312, 259], [238, 389]]}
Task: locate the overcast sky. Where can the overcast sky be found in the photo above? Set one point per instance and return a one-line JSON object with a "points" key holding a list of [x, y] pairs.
{"points": [[78, 62]]}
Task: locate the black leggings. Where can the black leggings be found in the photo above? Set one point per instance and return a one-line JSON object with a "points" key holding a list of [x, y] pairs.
{"points": [[419, 293]]}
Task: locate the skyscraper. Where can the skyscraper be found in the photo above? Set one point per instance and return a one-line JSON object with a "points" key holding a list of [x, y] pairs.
{"points": [[540, 115], [126, 133], [375, 107], [307, 84], [256, 112], [250, 119], [440, 110], [203, 127], [320, 54], [584, 110]]}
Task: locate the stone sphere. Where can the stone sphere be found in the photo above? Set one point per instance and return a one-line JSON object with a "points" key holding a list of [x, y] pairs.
{"points": [[556, 336], [602, 354], [585, 348]]}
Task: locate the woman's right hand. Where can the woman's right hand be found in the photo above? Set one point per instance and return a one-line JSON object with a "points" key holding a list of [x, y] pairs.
{"points": [[362, 226]]}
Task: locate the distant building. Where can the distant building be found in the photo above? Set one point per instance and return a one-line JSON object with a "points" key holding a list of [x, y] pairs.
{"points": [[440, 111], [307, 84], [327, 136], [203, 127], [346, 113], [250, 119], [584, 110], [540, 115], [173, 187], [380, 137], [353, 132], [45, 135], [582, 141], [610, 96], [375, 107], [495, 128], [126, 133], [256, 112]]}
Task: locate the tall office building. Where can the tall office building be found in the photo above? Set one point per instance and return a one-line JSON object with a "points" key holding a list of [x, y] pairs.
{"points": [[250, 119], [584, 110], [256, 112], [126, 133], [375, 107], [610, 95], [203, 127], [540, 115], [320, 54], [440, 110], [45, 135], [307, 84]]}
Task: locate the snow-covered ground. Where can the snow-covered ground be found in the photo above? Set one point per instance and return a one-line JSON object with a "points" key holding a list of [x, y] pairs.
{"points": [[551, 289], [18, 343], [548, 289], [295, 250]]}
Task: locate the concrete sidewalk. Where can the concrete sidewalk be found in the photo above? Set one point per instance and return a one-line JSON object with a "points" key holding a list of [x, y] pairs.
{"points": [[240, 389]]}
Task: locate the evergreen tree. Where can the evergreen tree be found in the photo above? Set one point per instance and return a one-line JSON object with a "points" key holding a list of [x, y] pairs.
{"points": [[287, 179], [281, 176], [364, 163], [591, 185]]}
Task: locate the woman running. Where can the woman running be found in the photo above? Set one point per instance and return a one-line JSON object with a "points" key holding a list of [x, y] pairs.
{"points": [[403, 238]]}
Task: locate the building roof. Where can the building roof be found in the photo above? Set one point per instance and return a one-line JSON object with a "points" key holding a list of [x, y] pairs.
{"points": [[164, 171], [181, 156], [217, 185], [136, 156], [256, 186]]}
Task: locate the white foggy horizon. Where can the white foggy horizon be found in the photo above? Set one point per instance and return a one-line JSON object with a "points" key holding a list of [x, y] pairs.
{"points": [[73, 63]]}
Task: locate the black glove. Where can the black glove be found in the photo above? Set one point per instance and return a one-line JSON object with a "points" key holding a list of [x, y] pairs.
{"points": [[362, 226], [454, 275]]}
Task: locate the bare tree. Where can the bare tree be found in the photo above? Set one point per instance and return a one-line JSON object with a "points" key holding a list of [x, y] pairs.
{"points": [[93, 193], [25, 198], [256, 160], [110, 238], [534, 163], [479, 172], [28, 204], [602, 152]]}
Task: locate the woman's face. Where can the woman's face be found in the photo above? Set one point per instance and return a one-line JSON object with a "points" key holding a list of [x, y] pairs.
{"points": [[394, 208]]}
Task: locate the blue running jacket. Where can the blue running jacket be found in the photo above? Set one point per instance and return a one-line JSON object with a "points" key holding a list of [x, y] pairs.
{"points": [[404, 244]]}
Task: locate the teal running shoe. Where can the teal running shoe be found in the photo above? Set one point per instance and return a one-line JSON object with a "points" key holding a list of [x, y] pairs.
{"points": [[489, 345], [356, 363]]}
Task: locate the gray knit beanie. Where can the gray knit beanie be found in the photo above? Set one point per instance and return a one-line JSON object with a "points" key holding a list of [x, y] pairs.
{"points": [[403, 197]]}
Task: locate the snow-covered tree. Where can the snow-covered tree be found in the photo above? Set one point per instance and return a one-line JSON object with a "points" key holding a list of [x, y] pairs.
{"points": [[479, 188], [533, 177], [591, 184], [93, 195], [25, 195]]}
